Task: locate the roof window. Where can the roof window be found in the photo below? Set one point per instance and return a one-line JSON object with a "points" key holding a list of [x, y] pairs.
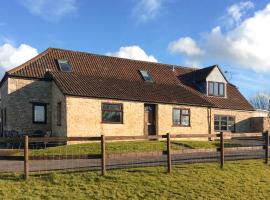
{"points": [[146, 75], [64, 65]]}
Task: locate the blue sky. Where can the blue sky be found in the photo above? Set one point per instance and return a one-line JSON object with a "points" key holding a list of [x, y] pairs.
{"points": [[233, 34]]}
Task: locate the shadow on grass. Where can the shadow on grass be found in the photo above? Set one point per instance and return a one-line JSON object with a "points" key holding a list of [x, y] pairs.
{"points": [[12, 177]]}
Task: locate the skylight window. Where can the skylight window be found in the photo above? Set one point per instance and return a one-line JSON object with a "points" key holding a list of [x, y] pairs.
{"points": [[64, 65], [146, 75]]}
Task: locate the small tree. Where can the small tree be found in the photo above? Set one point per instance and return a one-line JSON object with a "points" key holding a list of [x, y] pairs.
{"points": [[261, 101]]}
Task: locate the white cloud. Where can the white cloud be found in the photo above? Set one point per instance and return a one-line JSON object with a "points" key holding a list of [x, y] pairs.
{"points": [[11, 56], [51, 10], [185, 45], [133, 52], [146, 10], [236, 11], [246, 45]]}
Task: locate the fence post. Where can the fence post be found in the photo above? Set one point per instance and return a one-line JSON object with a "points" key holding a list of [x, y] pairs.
{"points": [[103, 156], [266, 135], [26, 157], [221, 149], [169, 158]]}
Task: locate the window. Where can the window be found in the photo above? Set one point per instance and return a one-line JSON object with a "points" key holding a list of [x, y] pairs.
{"points": [[112, 113], [146, 75], [216, 89], [224, 123], [39, 113], [59, 113], [64, 65], [181, 117]]}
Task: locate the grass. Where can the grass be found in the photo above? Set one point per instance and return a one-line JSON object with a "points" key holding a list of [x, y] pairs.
{"points": [[124, 147], [238, 180]]}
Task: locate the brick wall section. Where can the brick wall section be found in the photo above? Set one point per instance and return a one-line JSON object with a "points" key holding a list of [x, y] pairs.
{"points": [[266, 124], [198, 119], [57, 96], [84, 118], [17, 95]]}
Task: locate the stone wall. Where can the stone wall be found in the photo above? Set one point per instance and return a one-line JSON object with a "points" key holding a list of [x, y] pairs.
{"points": [[57, 96], [17, 97], [198, 120], [84, 118]]}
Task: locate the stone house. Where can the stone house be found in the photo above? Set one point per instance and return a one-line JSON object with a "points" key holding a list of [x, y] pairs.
{"points": [[71, 93]]}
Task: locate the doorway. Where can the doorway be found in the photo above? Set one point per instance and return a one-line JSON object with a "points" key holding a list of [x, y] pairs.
{"points": [[149, 119]]}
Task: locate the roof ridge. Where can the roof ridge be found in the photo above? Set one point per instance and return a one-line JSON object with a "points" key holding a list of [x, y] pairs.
{"points": [[96, 54], [29, 61]]}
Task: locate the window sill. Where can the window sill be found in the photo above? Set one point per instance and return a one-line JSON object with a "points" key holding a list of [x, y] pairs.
{"points": [[112, 123], [181, 126], [225, 131], [216, 96], [39, 122]]}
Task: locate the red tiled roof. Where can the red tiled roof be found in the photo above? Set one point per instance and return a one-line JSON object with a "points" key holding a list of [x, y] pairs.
{"points": [[117, 78], [110, 88]]}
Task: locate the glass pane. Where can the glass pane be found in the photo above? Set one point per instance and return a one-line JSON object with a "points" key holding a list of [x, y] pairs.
{"points": [[176, 117], [111, 116], [39, 114], [111, 106], [216, 89], [216, 123], [231, 119], [216, 128], [64, 65], [223, 123], [211, 88], [185, 120], [185, 112], [224, 118], [223, 128], [217, 117], [221, 89], [146, 75], [230, 123]]}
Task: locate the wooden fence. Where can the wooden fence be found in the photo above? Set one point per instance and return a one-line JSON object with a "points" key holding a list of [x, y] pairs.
{"points": [[168, 137]]}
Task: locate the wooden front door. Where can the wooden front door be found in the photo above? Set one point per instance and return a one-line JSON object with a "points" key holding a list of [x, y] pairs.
{"points": [[149, 119]]}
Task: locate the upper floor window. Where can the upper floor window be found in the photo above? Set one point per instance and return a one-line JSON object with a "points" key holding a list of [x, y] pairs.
{"points": [[181, 117], [146, 75], [112, 113], [64, 65], [40, 113], [216, 89]]}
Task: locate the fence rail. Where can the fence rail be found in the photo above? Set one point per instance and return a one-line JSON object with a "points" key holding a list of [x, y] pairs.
{"points": [[169, 152]]}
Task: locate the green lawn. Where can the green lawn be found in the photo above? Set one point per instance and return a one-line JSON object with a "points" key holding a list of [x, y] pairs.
{"points": [[124, 147], [238, 180]]}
